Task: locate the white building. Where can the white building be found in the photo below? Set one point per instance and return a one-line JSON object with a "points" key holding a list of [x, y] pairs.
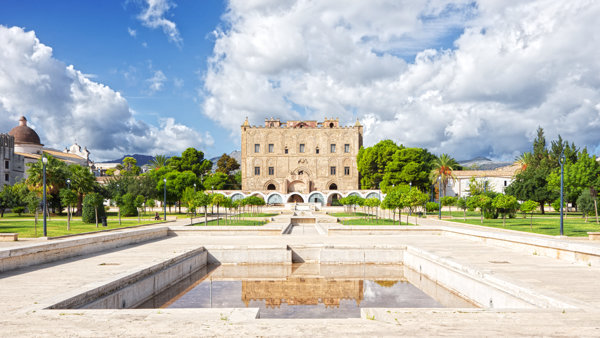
{"points": [[498, 179]]}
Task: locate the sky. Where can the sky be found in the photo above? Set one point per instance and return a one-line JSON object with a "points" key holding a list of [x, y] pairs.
{"points": [[467, 78]]}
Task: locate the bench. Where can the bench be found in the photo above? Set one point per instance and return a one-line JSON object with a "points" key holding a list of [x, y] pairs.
{"points": [[9, 237], [594, 236]]}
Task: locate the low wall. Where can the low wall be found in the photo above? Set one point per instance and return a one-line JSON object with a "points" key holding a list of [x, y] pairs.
{"points": [[226, 230], [236, 254], [19, 257], [133, 289]]}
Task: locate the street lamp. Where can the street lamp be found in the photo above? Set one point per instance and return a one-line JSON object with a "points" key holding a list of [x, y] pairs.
{"points": [[440, 197], [44, 162], [165, 200], [69, 204], [562, 173]]}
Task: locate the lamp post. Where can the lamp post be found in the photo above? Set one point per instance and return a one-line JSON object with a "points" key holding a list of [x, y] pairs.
{"points": [[165, 200], [44, 161], [440, 197], [69, 204], [562, 173], [118, 202]]}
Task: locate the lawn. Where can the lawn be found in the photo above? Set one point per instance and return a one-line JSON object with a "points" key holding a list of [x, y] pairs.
{"points": [[26, 228], [575, 226], [247, 214], [233, 222], [348, 214], [371, 222]]}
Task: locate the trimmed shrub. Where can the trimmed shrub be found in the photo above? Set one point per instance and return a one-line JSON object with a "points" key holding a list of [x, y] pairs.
{"points": [[128, 205], [18, 210], [90, 202]]}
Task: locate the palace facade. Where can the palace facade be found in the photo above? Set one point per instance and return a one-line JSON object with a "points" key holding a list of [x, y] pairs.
{"points": [[300, 156]]}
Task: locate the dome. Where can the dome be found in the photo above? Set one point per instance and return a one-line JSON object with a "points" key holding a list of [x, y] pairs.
{"points": [[23, 134]]}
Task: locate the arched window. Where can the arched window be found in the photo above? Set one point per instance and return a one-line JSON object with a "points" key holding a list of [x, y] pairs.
{"points": [[333, 186], [271, 186]]}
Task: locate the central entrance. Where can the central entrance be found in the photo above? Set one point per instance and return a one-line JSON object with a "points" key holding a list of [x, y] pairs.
{"points": [[295, 198]]}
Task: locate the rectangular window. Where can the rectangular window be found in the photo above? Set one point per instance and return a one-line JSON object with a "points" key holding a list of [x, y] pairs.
{"points": [[332, 148], [271, 147], [6, 177], [317, 151], [506, 182], [271, 171], [6, 165], [332, 171], [301, 147], [286, 150], [257, 148], [346, 148], [346, 171], [256, 171]]}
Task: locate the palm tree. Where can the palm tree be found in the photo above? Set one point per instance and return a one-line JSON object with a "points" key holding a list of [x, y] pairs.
{"points": [[158, 161], [523, 160], [443, 166]]}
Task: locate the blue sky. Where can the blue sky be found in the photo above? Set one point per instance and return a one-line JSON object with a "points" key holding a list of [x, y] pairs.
{"points": [[469, 78]]}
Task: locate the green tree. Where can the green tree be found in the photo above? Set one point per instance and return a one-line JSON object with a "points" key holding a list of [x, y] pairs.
{"points": [[394, 200], [506, 205], [216, 181], [412, 199], [68, 197], [139, 202], [529, 207], [461, 203], [190, 199], [203, 200], [93, 208], [478, 187], [227, 164], [33, 202], [531, 184], [217, 200], [372, 161], [127, 205], [158, 161], [449, 201], [129, 167], [83, 181], [408, 166], [578, 176], [443, 168], [8, 199], [585, 203], [480, 202], [192, 160]]}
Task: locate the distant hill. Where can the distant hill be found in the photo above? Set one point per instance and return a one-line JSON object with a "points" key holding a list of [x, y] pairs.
{"points": [[141, 159], [236, 154], [482, 163]]}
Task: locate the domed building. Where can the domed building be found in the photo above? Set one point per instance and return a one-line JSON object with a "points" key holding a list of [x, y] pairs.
{"points": [[25, 144], [26, 139]]}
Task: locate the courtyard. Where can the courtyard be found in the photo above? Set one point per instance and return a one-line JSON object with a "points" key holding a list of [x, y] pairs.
{"points": [[517, 283]]}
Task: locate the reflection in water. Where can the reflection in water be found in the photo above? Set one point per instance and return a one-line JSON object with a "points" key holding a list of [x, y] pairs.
{"points": [[302, 291]]}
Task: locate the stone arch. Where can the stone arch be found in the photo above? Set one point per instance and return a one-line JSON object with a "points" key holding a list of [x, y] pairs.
{"points": [[296, 186], [301, 170], [373, 195], [258, 194], [334, 196], [271, 186], [270, 183], [354, 193], [295, 198], [275, 198], [237, 196], [316, 197], [332, 186]]}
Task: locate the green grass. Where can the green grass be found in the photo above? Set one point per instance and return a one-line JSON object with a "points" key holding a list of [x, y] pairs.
{"points": [[26, 228], [371, 222], [233, 222], [575, 226], [348, 214], [246, 214]]}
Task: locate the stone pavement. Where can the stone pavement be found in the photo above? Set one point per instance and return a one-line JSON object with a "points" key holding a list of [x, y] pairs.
{"points": [[23, 291]]}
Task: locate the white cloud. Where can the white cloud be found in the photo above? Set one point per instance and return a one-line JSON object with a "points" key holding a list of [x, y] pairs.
{"points": [[153, 16], [157, 81], [131, 32], [515, 66], [64, 105], [178, 83]]}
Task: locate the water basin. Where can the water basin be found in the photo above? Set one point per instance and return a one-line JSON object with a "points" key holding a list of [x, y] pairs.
{"points": [[306, 290]]}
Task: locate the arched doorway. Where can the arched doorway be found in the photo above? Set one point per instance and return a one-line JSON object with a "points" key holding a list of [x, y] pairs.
{"points": [[333, 199], [295, 198], [333, 186], [275, 199], [296, 186], [316, 197]]}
